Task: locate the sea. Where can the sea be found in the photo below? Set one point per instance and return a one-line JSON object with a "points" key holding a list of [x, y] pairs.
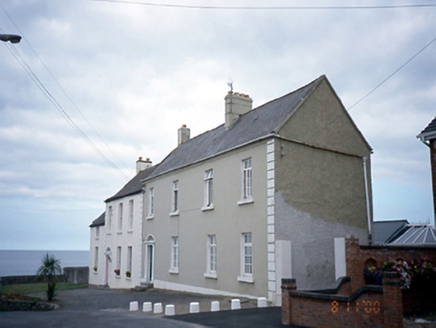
{"points": [[24, 263]]}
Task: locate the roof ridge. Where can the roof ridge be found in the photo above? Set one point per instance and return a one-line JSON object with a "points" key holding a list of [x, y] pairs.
{"points": [[249, 127]]}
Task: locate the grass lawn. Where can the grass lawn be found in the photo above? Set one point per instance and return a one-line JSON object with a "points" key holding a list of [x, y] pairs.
{"points": [[36, 287]]}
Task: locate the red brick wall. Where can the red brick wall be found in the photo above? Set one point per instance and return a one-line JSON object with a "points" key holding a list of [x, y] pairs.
{"points": [[318, 310], [330, 313], [357, 255], [374, 308]]}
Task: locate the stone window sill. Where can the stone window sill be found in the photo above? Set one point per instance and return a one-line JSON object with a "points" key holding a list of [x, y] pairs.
{"points": [[246, 279], [246, 201], [207, 208], [210, 275]]}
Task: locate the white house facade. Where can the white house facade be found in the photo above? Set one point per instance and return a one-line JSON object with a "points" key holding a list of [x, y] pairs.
{"points": [[232, 211], [259, 198], [116, 236]]}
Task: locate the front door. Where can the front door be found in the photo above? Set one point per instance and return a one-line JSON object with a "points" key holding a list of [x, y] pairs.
{"points": [[150, 263]]}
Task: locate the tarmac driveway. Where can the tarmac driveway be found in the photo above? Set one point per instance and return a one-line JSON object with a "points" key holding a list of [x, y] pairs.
{"points": [[103, 307]]}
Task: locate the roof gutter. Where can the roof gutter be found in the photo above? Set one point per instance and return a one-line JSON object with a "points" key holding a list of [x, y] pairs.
{"points": [[273, 134], [269, 135], [425, 137]]}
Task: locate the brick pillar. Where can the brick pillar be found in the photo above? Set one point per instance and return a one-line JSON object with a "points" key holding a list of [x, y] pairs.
{"points": [[288, 285], [392, 300], [354, 263]]}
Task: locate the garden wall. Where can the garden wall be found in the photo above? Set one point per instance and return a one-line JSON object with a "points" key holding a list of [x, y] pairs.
{"points": [[72, 275], [372, 306], [11, 280], [76, 275], [356, 257], [354, 304], [420, 298]]}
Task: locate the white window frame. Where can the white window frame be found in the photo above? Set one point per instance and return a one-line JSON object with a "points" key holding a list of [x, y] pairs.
{"points": [[109, 219], [212, 259], [150, 203], [247, 257], [246, 181], [97, 232], [174, 265], [96, 258], [131, 214], [175, 199], [208, 190], [120, 217], [129, 259], [118, 264]]}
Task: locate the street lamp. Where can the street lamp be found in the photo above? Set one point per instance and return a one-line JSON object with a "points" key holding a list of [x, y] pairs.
{"points": [[10, 37]]}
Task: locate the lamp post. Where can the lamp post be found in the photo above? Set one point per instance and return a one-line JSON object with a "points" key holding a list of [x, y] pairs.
{"points": [[10, 37]]}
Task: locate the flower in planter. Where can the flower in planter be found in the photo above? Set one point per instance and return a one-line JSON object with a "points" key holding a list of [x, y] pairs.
{"points": [[117, 272], [128, 274], [403, 269], [372, 275]]}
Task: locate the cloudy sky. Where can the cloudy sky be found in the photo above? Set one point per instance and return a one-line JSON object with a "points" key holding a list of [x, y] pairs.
{"points": [[93, 85]]}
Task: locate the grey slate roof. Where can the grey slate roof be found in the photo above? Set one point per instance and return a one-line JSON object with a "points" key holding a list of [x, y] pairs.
{"points": [[254, 125], [385, 231], [429, 132], [133, 186], [98, 221]]}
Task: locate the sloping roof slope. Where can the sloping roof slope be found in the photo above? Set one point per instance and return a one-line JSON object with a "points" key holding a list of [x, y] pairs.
{"points": [[416, 235], [254, 125], [429, 132], [133, 186], [385, 231], [98, 221]]}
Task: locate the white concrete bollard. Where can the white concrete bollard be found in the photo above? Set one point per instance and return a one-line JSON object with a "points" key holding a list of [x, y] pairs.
{"points": [[194, 307], [157, 308], [236, 304], [133, 306], [146, 307], [261, 302], [170, 310], [214, 306]]}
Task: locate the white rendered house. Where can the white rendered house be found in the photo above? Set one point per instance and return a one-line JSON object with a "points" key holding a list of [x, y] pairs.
{"points": [[116, 236], [259, 198]]}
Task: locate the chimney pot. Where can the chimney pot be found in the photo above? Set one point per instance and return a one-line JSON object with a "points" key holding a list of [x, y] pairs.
{"points": [[237, 104], [184, 134], [142, 165]]}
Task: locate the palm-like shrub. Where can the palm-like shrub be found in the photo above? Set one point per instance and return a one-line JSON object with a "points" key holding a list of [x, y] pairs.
{"points": [[49, 269]]}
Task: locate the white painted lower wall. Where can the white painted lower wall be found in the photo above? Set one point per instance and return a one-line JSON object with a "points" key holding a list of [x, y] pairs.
{"points": [[193, 289], [283, 267], [340, 261]]}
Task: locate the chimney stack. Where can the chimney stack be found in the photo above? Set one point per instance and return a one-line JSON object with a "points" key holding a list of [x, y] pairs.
{"points": [[237, 104], [142, 165], [183, 134]]}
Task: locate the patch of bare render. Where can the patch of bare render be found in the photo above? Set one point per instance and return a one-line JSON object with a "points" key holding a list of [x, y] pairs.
{"points": [[312, 242]]}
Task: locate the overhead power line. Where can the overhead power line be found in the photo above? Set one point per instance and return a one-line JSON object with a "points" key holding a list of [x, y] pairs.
{"points": [[59, 107], [150, 4], [378, 85], [392, 74], [60, 86]]}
